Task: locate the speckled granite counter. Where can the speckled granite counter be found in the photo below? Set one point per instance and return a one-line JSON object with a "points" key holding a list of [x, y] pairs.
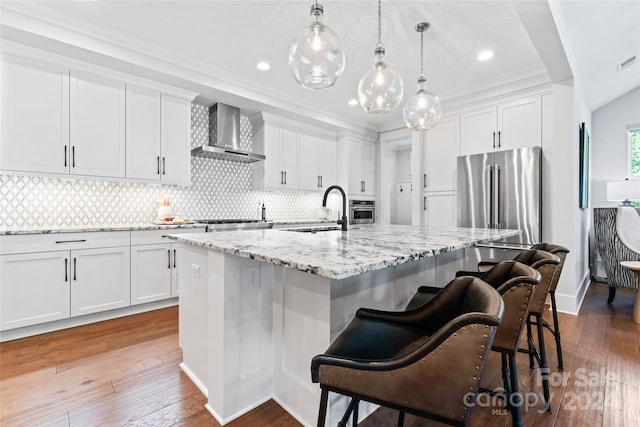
{"points": [[337, 255], [91, 228]]}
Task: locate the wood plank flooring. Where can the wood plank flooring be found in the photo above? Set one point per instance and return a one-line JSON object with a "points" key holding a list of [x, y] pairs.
{"points": [[125, 372]]}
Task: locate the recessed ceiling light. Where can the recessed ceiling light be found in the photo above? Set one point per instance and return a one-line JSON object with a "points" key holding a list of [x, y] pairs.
{"points": [[263, 66], [483, 56], [353, 102]]}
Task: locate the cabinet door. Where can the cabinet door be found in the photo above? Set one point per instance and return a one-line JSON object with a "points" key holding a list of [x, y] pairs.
{"points": [[355, 173], [439, 209], [176, 140], [441, 148], [327, 157], [151, 271], [273, 172], [368, 168], [100, 279], [520, 123], [289, 156], [34, 288], [143, 133], [309, 162], [478, 131], [97, 123], [34, 115]]}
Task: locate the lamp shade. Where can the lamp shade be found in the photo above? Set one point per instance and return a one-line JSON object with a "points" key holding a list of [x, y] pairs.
{"points": [[626, 190]]}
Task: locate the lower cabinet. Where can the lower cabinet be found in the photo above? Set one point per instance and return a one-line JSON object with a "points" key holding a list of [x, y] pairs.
{"points": [[99, 280], [439, 209], [153, 272], [35, 288]]}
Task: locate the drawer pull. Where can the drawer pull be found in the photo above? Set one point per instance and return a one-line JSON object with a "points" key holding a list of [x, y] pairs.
{"points": [[75, 276], [174, 258], [71, 241], [66, 270]]}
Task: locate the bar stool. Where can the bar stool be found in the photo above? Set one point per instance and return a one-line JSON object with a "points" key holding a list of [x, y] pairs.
{"points": [[426, 362], [515, 282]]}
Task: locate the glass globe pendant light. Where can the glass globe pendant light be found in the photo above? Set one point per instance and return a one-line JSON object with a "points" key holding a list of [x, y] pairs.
{"points": [[422, 111], [316, 56], [380, 89]]}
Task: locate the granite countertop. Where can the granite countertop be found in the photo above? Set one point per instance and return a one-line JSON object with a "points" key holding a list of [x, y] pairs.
{"points": [[337, 254], [91, 228]]}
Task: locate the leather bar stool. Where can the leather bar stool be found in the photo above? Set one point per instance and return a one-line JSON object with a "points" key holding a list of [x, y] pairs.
{"points": [[515, 282], [561, 252], [426, 362]]}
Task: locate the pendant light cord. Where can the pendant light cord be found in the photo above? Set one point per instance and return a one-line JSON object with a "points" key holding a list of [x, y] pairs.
{"points": [[379, 24], [422, 55]]}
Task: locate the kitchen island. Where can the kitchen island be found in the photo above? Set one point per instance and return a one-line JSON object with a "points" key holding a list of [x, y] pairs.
{"points": [[256, 306]]}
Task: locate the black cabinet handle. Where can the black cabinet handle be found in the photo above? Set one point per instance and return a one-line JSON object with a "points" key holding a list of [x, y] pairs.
{"points": [[164, 169], [425, 180], [158, 160], [424, 203], [499, 139], [168, 258], [66, 270], [281, 178], [285, 177], [73, 156], [320, 181], [65, 156], [494, 140], [174, 258], [71, 241], [75, 270]]}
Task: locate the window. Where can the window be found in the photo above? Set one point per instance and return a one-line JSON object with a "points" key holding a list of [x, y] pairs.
{"points": [[634, 151]]}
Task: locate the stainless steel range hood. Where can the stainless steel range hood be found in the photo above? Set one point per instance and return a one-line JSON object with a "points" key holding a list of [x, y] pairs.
{"points": [[224, 137]]}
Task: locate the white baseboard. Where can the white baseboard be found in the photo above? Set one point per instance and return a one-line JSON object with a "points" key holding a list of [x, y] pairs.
{"points": [[223, 421]]}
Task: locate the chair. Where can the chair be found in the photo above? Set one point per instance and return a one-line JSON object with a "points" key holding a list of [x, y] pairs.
{"points": [[430, 361], [515, 282], [561, 252], [617, 232]]}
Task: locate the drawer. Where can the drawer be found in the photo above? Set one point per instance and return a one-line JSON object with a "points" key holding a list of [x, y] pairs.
{"points": [[17, 244], [153, 237]]}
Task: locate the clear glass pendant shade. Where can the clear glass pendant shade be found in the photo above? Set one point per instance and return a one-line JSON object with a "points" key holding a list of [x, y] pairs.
{"points": [[422, 111], [380, 89], [316, 56]]}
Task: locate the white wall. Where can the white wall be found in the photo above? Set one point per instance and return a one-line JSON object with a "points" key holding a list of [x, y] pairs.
{"points": [[609, 144]]}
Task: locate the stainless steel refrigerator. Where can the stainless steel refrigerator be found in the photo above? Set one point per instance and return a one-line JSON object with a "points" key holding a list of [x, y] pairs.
{"points": [[502, 189]]}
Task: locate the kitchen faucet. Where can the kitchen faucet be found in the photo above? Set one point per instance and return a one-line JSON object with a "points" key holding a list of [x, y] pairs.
{"points": [[344, 220]]}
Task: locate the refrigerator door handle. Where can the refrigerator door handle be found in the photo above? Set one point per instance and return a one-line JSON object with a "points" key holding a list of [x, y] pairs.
{"points": [[489, 194], [497, 196]]}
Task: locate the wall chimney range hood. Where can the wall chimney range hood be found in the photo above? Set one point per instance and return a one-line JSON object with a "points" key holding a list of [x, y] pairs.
{"points": [[224, 137]]}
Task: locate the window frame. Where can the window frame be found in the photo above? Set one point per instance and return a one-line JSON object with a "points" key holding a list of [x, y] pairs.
{"points": [[631, 129]]}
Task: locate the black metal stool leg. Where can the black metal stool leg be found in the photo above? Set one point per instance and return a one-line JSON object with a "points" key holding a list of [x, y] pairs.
{"points": [[612, 294], [322, 413], [544, 369], [354, 423], [514, 397], [505, 380], [353, 404], [529, 341], [556, 329], [401, 419]]}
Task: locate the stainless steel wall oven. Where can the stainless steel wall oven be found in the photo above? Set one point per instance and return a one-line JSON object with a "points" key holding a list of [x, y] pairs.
{"points": [[362, 211]]}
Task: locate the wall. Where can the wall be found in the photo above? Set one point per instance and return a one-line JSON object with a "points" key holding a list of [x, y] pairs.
{"points": [[220, 189]]}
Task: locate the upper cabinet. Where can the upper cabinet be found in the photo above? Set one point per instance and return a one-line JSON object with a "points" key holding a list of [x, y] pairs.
{"points": [[158, 136], [441, 149], [296, 158], [97, 126], [508, 125], [362, 178], [317, 162], [58, 119], [34, 116]]}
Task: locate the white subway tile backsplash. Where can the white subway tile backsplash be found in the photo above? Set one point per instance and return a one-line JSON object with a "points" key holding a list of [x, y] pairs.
{"points": [[220, 189]]}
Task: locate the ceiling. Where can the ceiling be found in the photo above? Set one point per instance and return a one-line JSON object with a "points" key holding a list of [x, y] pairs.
{"points": [[212, 47]]}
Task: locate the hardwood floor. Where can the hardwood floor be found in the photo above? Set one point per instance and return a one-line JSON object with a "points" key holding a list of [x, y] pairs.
{"points": [[125, 372]]}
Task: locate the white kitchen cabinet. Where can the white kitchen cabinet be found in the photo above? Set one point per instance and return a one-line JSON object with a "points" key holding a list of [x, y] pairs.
{"points": [[439, 209], [34, 288], [100, 279], [158, 137], [361, 168], [34, 116], [152, 269], [97, 125], [280, 145], [506, 126], [440, 150], [175, 137], [317, 162]]}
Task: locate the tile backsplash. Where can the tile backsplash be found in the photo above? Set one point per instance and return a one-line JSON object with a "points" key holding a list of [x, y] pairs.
{"points": [[220, 189]]}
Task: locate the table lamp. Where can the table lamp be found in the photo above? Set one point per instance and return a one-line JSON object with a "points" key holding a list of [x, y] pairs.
{"points": [[624, 191]]}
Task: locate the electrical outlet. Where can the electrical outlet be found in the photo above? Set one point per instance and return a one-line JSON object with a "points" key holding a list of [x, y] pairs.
{"points": [[195, 270], [253, 277]]}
